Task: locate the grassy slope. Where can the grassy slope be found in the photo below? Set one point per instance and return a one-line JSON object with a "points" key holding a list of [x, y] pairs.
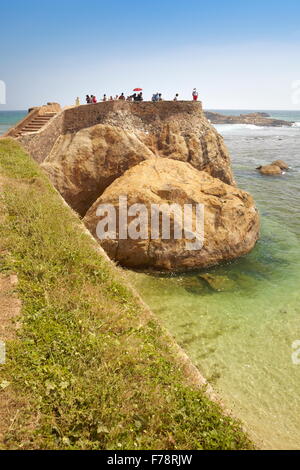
{"points": [[93, 371]]}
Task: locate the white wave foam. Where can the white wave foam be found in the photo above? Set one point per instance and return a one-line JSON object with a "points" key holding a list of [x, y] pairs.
{"points": [[237, 127], [296, 124]]}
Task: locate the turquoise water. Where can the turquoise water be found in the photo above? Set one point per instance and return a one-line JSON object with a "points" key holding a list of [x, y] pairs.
{"points": [[10, 118], [241, 337]]}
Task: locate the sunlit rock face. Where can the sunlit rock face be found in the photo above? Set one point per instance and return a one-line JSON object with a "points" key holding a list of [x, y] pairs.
{"points": [[230, 224], [87, 158]]}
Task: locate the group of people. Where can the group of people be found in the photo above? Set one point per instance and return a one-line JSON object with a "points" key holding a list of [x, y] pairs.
{"points": [[158, 96], [91, 99], [136, 97]]}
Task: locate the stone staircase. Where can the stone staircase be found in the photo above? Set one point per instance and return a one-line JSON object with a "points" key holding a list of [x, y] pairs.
{"points": [[36, 124]]}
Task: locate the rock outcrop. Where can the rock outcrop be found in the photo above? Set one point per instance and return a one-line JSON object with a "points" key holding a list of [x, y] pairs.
{"points": [[283, 165], [231, 221], [276, 168], [153, 153], [82, 165], [258, 119], [270, 170], [86, 160]]}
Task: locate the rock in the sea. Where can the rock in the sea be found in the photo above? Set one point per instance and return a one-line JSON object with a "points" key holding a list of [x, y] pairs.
{"points": [[282, 165], [270, 170], [84, 162], [231, 220], [257, 119], [246, 282], [218, 283], [193, 285]]}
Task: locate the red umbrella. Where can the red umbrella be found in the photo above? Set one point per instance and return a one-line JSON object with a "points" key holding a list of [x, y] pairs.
{"points": [[138, 89]]}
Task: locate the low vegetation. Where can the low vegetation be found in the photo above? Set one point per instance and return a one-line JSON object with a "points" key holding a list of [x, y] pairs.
{"points": [[89, 369]]}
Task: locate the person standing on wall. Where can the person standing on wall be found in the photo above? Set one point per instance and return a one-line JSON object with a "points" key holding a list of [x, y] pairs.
{"points": [[195, 94]]}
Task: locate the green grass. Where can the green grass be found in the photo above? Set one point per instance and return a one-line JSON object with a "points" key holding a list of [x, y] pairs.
{"points": [[94, 371]]}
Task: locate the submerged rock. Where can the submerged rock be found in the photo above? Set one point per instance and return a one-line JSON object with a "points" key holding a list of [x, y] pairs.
{"points": [[194, 285], [246, 282], [218, 283], [231, 220]]}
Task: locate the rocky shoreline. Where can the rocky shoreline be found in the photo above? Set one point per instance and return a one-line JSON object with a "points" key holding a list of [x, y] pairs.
{"points": [[258, 119]]}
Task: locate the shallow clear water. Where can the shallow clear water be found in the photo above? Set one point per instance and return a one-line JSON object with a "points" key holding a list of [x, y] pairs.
{"points": [[241, 338]]}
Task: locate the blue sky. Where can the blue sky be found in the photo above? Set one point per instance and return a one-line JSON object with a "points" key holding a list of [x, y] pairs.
{"points": [[242, 55]]}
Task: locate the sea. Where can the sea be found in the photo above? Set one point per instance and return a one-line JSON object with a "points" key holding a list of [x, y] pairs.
{"points": [[9, 119], [245, 339]]}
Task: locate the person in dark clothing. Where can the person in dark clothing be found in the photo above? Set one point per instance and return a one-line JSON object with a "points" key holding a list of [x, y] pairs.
{"points": [[88, 99]]}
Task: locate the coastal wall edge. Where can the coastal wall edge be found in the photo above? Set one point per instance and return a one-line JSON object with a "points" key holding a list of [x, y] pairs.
{"points": [[40, 144]]}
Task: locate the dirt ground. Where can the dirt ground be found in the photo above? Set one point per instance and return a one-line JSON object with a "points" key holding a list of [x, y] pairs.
{"points": [[10, 307]]}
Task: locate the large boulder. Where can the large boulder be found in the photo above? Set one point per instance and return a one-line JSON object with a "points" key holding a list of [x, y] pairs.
{"points": [[82, 165], [84, 162], [276, 168], [283, 165], [270, 170], [231, 220]]}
